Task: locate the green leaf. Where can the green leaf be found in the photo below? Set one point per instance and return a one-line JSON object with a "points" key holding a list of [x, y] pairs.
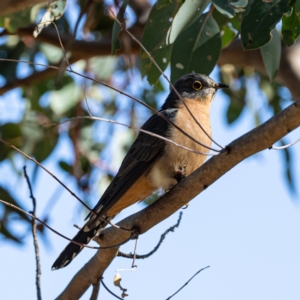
{"points": [[54, 12], [8, 234], [197, 48], [230, 7], [53, 54], [239, 5], [6, 196], [10, 131], [103, 67], [115, 43], [13, 49], [260, 21], [39, 142], [162, 57], [297, 7], [65, 166], [154, 35], [5, 230], [234, 109], [44, 148], [271, 53], [66, 98], [224, 7], [291, 27], [227, 35], [16, 20], [189, 11]]}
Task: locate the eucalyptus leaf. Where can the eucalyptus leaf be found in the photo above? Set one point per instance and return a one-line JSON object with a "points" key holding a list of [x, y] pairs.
{"points": [[271, 53], [16, 20], [261, 19], [224, 7], [53, 54], [66, 98], [189, 11], [203, 43], [291, 27], [54, 12], [115, 43], [159, 22], [103, 67], [235, 108], [297, 7], [13, 50], [230, 7], [227, 36]]}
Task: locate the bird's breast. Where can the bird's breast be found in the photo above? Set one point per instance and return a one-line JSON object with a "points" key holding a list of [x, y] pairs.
{"points": [[176, 160]]}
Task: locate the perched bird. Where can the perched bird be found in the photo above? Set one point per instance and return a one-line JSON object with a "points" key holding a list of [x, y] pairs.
{"points": [[152, 163]]}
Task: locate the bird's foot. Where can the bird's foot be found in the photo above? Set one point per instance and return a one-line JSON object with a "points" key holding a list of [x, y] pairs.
{"points": [[180, 173]]}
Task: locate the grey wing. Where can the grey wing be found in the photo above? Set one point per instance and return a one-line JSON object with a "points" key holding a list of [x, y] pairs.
{"points": [[142, 154]]}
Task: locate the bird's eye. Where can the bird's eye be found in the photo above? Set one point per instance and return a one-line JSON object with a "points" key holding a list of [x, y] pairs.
{"points": [[197, 85]]}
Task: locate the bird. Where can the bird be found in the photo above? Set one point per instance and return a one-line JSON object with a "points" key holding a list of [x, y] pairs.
{"points": [[151, 163]]}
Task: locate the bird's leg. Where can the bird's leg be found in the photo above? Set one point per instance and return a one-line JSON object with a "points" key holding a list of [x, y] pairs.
{"points": [[179, 175]]}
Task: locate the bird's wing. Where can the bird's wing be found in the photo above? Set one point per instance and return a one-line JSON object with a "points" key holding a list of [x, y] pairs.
{"points": [[142, 154], [140, 157]]}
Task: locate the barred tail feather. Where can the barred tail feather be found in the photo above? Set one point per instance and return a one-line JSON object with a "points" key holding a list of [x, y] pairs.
{"points": [[83, 237]]}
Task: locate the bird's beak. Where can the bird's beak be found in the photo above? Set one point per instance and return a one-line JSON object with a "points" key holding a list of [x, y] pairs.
{"points": [[221, 86]]}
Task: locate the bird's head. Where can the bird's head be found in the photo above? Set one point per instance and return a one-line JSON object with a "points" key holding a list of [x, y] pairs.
{"points": [[193, 86]]}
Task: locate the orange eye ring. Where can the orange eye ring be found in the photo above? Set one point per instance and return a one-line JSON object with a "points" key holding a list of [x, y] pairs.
{"points": [[197, 85]]}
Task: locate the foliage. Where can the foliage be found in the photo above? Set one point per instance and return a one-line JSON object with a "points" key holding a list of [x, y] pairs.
{"points": [[185, 35]]}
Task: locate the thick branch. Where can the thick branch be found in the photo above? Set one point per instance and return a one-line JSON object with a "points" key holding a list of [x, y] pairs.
{"points": [[289, 69], [254, 141], [11, 6], [288, 75]]}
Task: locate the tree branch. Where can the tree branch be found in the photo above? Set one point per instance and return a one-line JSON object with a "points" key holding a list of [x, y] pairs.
{"points": [[12, 6], [288, 75], [289, 69], [162, 237], [35, 240], [254, 141], [187, 283]]}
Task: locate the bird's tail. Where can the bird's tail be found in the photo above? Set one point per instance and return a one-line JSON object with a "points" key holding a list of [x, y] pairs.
{"points": [[84, 235]]}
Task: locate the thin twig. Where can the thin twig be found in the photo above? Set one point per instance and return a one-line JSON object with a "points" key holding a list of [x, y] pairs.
{"points": [[35, 240], [166, 77], [162, 237], [71, 40], [187, 283], [61, 235], [36, 162], [285, 146], [63, 49], [134, 252], [135, 128], [110, 290], [120, 92], [73, 194]]}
